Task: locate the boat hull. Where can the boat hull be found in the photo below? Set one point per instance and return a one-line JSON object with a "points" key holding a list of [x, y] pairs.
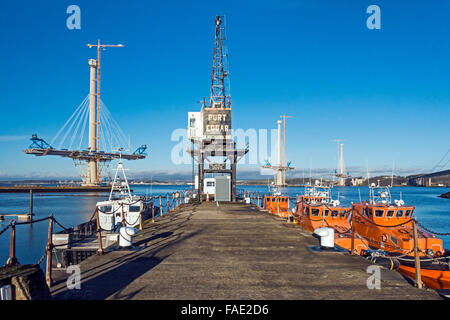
{"points": [[434, 279]]}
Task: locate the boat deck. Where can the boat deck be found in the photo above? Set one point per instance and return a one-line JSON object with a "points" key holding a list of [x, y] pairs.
{"points": [[230, 251]]}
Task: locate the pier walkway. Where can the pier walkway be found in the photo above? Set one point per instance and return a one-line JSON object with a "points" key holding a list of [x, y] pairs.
{"points": [[230, 251]]}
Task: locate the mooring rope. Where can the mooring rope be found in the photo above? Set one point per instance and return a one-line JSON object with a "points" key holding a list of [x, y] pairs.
{"points": [[5, 228]]}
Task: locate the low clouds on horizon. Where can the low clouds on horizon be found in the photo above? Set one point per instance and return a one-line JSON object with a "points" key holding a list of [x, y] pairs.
{"points": [[242, 174]]}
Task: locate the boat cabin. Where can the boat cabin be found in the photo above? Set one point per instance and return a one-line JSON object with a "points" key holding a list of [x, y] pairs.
{"points": [[278, 205], [380, 222]]}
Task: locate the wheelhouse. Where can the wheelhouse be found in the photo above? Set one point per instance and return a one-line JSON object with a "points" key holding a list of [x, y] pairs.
{"points": [[278, 205]]}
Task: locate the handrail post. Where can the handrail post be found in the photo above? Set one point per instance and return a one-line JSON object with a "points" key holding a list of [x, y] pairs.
{"points": [[48, 269], [99, 235], [140, 220], [30, 213], [12, 260], [416, 255], [160, 206], [258, 199], [167, 198], [173, 200], [352, 247], [153, 212]]}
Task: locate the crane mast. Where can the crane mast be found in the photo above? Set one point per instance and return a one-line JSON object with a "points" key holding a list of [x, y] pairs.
{"points": [[220, 94]]}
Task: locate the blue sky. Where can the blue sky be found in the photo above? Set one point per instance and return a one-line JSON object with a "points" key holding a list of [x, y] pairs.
{"points": [[386, 92]]}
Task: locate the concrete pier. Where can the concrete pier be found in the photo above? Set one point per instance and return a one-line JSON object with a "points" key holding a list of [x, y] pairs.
{"points": [[230, 251]]}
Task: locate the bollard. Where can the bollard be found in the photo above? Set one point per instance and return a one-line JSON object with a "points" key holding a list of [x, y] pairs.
{"points": [[12, 260], [416, 256], [99, 236], [160, 206], [48, 268]]}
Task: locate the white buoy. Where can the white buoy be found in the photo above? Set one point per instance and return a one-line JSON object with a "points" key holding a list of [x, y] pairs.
{"points": [[126, 236], [326, 237]]}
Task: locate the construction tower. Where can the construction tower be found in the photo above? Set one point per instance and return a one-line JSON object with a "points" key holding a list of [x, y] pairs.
{"points": [[210, 129]]}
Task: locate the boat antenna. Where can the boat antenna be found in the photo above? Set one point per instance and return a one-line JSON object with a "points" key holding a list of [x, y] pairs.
{"points": [[392, 176], [368, 174], [310, 160]]}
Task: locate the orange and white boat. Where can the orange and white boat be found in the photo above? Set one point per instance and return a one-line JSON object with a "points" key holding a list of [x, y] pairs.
{"points": [[277, 203], [388, 227], [315, 209]]}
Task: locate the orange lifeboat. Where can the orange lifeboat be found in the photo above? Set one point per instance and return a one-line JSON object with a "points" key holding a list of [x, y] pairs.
{"points": [[315, 209], [277, 204], [388, 227]]}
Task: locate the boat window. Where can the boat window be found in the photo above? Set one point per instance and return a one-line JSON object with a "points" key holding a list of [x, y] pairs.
{"points": [[370, 213], [105, 208], [210, 184], [379, 213], [134, 209], [408, 212], [334, 213], [390, 213], [307, 212], [399, 213], [364, 211], [315, 212], [342, 213], [326, 213]]}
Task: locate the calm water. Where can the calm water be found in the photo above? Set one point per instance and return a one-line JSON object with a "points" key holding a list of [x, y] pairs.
{"points": [[74, 209]]}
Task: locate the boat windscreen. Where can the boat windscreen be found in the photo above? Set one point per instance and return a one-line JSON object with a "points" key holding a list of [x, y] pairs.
{"points": [[134, 209], [105, 208]]}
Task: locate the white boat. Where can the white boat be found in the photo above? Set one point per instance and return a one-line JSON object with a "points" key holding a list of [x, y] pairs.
{"points": [[122, 207]]}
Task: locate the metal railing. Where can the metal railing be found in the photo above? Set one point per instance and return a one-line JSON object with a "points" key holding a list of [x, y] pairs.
{"points": [[88, 229]]}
